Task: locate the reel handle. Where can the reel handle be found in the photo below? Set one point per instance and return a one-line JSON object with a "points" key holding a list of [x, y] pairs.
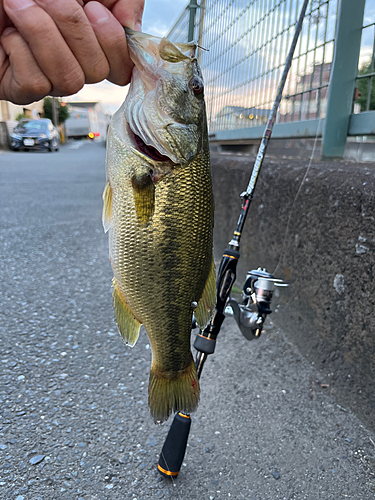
{"points": [[173, 452]]}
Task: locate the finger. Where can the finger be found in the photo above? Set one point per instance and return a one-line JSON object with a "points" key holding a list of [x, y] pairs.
{"points": [[128, 12], [52, 54], [21, 81], [112, 39], [74, 26]]}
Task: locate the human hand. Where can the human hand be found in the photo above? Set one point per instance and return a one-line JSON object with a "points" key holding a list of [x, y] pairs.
{"points": [[54, 48]]}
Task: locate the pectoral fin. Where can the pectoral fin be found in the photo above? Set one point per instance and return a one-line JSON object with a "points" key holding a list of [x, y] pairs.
{"points": [[126, 322], [207, 302], [107, 207], [144, 196]]}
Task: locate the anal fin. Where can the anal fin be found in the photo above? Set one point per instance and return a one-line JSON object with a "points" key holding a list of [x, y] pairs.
{"points": [[207, 302], [127, 324]]}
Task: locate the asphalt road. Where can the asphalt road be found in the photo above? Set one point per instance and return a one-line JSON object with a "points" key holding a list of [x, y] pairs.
{"points": [[74, 422]]}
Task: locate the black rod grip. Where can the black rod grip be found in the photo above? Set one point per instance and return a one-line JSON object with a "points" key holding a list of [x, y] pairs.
{"points": [[174, 448]]}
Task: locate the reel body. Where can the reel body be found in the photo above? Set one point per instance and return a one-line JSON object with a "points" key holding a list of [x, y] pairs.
{"points": [[257, 293]]}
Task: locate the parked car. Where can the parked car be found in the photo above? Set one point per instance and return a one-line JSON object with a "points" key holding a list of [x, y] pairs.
{"points": [[35, 134]]}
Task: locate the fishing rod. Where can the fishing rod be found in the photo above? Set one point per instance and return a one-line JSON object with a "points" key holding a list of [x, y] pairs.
{"points": [[257, 291]]}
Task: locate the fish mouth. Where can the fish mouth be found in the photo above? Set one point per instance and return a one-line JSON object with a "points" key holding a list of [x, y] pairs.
{"points": [[149, 151], [146, 150]]}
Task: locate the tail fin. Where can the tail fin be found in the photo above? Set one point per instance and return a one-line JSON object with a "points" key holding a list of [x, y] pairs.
{"points": [[166, 394]]}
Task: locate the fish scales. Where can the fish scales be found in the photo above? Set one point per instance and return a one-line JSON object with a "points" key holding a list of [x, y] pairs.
{"points": [[160, 233]]}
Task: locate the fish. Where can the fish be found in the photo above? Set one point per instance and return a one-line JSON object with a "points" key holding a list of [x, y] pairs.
{"points": [[158, 209]]}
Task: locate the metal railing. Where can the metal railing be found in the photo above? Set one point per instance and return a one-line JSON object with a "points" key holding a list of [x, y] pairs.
{"points": [[246, 42]]}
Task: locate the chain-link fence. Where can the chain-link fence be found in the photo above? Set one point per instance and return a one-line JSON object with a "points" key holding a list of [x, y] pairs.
{"points": [[179, 32], [365, 81], [244, 47]]}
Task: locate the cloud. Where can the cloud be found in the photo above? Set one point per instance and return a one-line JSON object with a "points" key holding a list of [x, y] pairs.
{"points": [[111, 96], [160, 15]]}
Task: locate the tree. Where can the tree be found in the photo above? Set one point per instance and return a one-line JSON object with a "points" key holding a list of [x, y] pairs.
{"points": [[362, 85], [20, 117], [62, 108]]}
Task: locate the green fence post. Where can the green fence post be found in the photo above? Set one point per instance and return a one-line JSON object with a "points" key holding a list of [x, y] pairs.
{"points": [[343, 74], [192, 13]]}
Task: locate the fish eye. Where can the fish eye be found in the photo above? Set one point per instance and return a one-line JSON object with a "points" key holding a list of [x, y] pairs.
{"points": [[196, 84]]}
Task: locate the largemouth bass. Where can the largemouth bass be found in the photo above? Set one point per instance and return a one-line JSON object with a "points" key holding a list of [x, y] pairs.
{"points": [[158, 208]]}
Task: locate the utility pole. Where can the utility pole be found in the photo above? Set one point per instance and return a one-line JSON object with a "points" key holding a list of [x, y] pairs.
{"points": [[55, 117]]}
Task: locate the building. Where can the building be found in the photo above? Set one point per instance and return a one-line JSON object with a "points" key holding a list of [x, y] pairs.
{"points": [[86, 118], [233, 117], [309, 98]]}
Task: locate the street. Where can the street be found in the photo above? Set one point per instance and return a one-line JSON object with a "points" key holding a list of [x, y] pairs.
{"points": [[74, 422]]}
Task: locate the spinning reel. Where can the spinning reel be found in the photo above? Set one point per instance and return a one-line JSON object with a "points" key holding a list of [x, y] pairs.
{"points": [[257, 293]]}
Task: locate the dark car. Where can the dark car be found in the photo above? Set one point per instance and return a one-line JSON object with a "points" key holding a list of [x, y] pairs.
{"points": [[35, 134]]}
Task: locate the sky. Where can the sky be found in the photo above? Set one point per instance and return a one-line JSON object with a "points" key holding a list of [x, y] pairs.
{"points": [[159, 17]]}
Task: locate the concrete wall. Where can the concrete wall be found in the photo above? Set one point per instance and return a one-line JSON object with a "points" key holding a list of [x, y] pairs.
{"points": [[328, 258], [359, 149]]}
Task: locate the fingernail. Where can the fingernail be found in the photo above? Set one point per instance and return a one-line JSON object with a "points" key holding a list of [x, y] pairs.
{"points": [[20, 4], [8, 31], [138, 27], [96, 13]]}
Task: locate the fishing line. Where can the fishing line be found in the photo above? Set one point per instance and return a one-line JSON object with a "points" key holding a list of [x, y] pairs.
{"points": [[296, 196], [172, 478]]}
